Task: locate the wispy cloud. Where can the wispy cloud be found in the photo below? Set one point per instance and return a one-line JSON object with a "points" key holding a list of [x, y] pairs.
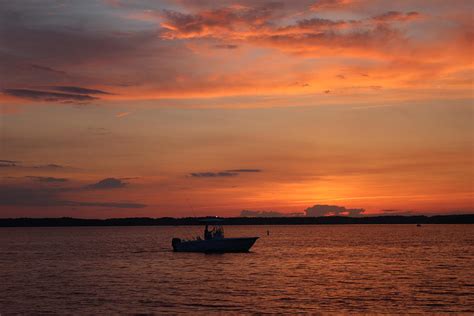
{"points": [[19, 164], [38, 95], [108, 183], [224, 174], [8, 163], [226, 46], [396, 16], [47, 69], [78, 90], [321, 5], [213, 174], [47, 179], [48, 166]]}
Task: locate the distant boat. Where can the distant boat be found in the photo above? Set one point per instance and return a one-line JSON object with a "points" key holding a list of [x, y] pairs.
{"points": [[214, 241]]}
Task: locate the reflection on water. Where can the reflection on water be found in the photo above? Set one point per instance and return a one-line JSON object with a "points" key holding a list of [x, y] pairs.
{"points": [[354, 268]]}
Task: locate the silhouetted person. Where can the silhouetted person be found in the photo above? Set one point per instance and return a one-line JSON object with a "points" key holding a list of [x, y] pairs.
{"points": [[207, 234]]}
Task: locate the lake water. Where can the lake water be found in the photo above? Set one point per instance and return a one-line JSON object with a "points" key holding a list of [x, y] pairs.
{"points": [[342, 269]]}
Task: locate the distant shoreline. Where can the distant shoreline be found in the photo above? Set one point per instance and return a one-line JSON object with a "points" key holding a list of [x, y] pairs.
{"points": [[187, 221]]}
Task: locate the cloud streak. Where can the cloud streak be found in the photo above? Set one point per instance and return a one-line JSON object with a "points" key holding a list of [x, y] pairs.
{"points": [[46, 96], [226, 46], [78, 90], [20, 165], [47, 179], [321, 5], [223, 174], [395, 16], [8, 163], [108, 183]]}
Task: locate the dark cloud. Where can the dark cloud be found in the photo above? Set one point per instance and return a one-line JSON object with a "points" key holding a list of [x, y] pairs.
{"points": [[374, 37], [17, 164], [224, 18], [78, 90], [301, 84], [330, 4], [244, 170], [187, 23], [306, 36], [37, 95], [317, 23], [26, 196], [47, 69], [108, 183], [226, 46], [43, 52], [8, 163], [71, 45], [332, 210], [394, 16], [48, 166], [213, 174], [47, 179], [28, 73], [225, 173], [51, 197]]}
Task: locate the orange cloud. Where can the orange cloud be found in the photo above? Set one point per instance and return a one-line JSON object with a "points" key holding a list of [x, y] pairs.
{"points": [[254, 50], [330, 4]]}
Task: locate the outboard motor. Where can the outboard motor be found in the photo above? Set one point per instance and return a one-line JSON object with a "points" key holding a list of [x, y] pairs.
{"points": [[175, 242]]}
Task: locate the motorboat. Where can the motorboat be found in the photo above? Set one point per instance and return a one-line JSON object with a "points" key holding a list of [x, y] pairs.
{"points": [[213, 241]]}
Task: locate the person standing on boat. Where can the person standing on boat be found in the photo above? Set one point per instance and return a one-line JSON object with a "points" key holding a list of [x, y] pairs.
{"points": [[207, 234]]}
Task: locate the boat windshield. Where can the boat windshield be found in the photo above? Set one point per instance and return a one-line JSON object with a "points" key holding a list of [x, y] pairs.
{"points": [[214, 232]]}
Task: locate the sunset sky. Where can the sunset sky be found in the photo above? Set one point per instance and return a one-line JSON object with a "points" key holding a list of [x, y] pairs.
{"points": [[119, 108]]}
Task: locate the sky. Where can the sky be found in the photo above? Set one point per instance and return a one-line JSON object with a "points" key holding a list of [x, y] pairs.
{"points": [[119, 108]]}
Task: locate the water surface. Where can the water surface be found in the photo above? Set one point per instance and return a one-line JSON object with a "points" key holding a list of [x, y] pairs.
{"points": [[340, 268]]}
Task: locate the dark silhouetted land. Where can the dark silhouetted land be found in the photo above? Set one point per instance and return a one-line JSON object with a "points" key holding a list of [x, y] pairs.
{"points": [[169, 221]]}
